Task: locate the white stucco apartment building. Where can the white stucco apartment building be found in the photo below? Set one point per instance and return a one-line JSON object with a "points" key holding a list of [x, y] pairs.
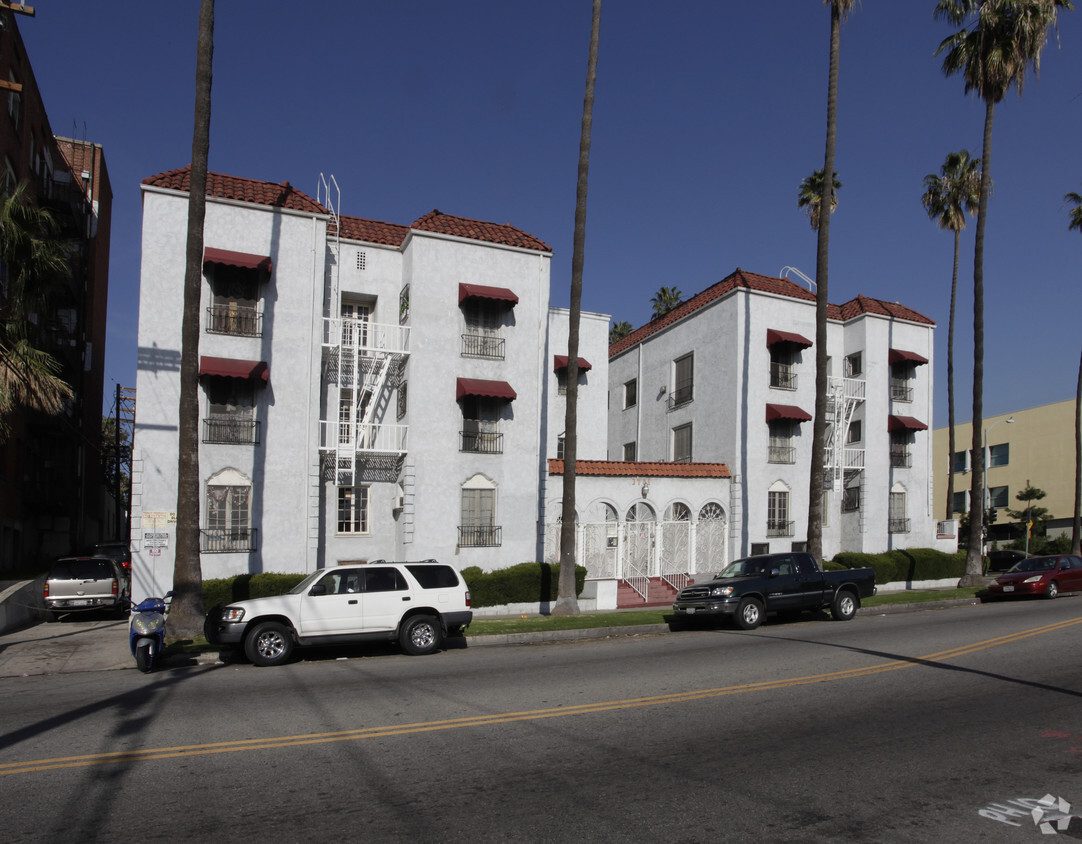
{"points": [[367, 390], [729, 377]]}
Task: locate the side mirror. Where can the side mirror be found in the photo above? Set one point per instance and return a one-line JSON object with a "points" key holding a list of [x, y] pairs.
{"points": [[318, 589], [774, 572]]}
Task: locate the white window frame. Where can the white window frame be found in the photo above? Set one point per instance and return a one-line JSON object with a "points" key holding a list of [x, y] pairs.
{"points": [[354, 511]]}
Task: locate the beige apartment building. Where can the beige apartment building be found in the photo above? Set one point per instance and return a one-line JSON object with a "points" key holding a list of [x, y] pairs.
{"points": [[1034, 445]]}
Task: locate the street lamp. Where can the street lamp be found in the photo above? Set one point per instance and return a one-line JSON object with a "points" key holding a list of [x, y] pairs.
{"points": [[984, 476]]}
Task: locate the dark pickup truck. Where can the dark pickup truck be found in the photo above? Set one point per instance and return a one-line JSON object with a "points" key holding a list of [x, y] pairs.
{"points": [[781, 583]]}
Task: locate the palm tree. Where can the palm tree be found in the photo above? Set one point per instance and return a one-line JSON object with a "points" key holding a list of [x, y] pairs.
{"points": [[619, 330], [186, 615], [947, 198], [1076, 532], [993, 53], [34, 265], [665, 300], [811, 194], [839, 10], [567, 601]]}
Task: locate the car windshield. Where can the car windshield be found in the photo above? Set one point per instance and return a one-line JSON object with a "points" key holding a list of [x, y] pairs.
{"points": [[304, 584], [741, 568], [1035, 564]]}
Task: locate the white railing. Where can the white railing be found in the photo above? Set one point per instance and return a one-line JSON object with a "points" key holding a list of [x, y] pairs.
{"points": [[851, 388], [370, 437], [366, 336]]}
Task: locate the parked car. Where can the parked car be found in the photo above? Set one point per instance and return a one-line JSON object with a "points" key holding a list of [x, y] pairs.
{"points": [[118, 550], [1047, 576], [786, 583], [415, 604], [85, 583], [1000, 561]]}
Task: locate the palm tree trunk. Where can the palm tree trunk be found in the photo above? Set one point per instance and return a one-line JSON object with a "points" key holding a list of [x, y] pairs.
{"points": [[1076, 530], [567, 602], [950, 381], [974, 553], [822, 257], [186, 614]]}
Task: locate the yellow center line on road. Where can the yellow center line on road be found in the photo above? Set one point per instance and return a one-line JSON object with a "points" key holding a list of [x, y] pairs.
{"points": [[129, 756]]}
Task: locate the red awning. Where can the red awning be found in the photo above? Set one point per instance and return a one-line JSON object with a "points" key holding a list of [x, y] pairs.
{"points": [[489, 389], [786, 411], [905, 423], [773, 337], [236, 259], [479, 291], [899, 356], [560, 362], [233, 368]]}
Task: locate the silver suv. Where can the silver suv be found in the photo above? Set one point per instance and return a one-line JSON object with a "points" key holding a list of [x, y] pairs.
{"points": [[415, 604], [85, 583]]}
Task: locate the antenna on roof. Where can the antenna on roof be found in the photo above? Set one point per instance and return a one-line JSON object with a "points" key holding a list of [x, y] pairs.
{"points": [[795, 271]]}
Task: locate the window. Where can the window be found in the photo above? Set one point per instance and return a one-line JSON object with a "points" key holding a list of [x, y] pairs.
{"points": [[851, 483], [560, 447], [901, 381], [355, 319], [629, 451], [15, 104], [854, 365], [900, 458], [404, 305], [228, 515], [958, 504], [483, 320], [998, 497], [781, 448], [234, 300], [782, 376], [999, 455], [402, 395], [777, 511], [481, 425], [353, 509], [961, 461], [853, 435], [631, 393], [758, 548], [681, 444], [478, 526], [683, 380], [230, 411], [679, 512], [898, 522]]}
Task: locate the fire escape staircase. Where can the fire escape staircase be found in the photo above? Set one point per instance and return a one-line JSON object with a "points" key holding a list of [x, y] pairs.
{"points": [[844, 396]]}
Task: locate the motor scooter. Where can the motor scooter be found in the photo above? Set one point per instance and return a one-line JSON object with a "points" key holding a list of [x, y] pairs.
{"points": [[146, 631]]}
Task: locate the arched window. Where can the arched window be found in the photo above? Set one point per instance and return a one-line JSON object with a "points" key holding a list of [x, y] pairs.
{"points": [[711, 512], [679, 512], [228, 513], [640, 512], [478, 527]]}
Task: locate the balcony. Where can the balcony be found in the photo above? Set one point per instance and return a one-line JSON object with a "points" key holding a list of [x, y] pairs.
{"points": [[777, 528], [680, 396], [782, 376], [483, 346], [479, 536], [899, 525], [237, 540], [481, 442], [781, 454], [232, 430], [900, 390], [900, 459], [365, 336], [371, 438], [238, 321]]}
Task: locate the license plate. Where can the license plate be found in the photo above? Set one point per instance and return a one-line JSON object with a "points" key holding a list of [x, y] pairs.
{"points": [[1008, 588], [690, 610], [79, 603]]}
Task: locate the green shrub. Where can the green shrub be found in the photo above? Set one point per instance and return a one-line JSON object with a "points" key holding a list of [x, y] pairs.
{"points": [[525, 583], [906, 564], [225, 590]]}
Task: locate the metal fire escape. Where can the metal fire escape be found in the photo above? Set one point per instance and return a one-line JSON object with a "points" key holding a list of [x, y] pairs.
{"points": [[845, 395]]}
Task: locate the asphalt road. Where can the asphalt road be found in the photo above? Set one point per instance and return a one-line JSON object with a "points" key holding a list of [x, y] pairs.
{"points": [[947, 725]]}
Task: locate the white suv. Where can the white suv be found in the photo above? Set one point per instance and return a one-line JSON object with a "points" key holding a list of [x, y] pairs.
{"points": [[417, 604]]}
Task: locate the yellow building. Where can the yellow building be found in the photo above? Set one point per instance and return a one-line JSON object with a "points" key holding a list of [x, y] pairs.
{"points": [[1037, 446]]}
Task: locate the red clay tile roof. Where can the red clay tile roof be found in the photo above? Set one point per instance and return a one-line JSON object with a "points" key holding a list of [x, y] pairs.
{"points": [[765, 284], [639, 469], [372, 231], [501, 233], [282, 195]]}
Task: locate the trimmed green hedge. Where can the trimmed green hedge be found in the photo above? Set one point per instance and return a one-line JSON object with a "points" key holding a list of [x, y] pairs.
{"points": [[225, 590], [904, 564], [524, 583]]}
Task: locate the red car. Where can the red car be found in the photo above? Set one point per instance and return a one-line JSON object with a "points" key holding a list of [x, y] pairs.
{"points": [[1047, 576]]}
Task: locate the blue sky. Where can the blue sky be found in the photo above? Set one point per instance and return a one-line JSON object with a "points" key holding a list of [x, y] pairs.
{"points": [[708, 116]]}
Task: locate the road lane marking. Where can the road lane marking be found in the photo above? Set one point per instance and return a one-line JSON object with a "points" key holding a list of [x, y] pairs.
{"points": [[129, 756]]}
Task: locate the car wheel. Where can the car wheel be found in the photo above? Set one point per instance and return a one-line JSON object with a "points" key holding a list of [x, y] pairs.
{"points": [[420, 635], [1053, 589], [270, 643], [749, 614], [844, 606], [144, 656]]}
